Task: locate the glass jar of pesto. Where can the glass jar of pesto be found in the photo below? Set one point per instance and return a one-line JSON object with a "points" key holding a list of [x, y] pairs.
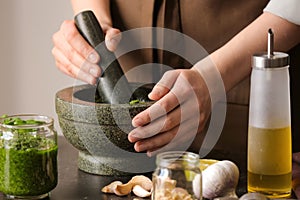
{"points": [[28, 156]]}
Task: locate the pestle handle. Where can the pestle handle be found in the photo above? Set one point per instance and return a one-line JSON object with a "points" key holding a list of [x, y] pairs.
{"points": [[89, 27], [112, 86]]}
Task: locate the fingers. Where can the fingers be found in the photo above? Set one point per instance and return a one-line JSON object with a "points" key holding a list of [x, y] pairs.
{"points": [[73, 55], [156, 141], [165, 104], [164, 85], [162, 131], [186, 133], [164, 123], [181, 90], [68, 68], [158, 109], [178, 138], [77, 42], [112, 39], [174, 107]]}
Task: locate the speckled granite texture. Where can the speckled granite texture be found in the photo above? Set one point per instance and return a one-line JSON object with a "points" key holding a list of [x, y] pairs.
{"points": [[98, 130]]}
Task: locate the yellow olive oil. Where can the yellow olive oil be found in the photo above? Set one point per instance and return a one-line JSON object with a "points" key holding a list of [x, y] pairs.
{"points": [[270, 161]]}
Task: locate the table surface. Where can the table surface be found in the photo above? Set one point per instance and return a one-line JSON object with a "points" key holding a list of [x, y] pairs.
{"points": [[74, 184]]}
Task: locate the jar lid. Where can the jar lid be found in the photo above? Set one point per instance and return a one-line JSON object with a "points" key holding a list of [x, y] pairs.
{"points": [[277, 60]]}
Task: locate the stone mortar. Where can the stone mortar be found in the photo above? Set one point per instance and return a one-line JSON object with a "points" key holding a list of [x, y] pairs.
{"points": [[97, 130]]}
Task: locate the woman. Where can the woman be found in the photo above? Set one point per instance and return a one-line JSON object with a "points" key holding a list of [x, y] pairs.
{"points": [[231, 31]]}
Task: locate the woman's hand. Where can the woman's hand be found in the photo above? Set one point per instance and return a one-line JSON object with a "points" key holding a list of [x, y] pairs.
{"points": [[181, 111], [75, 57]]}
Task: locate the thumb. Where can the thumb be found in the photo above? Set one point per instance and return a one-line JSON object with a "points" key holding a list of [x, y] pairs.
{"points": [[112, 38]]}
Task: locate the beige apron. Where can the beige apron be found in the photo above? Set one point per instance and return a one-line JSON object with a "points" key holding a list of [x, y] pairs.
{"points": [[211, 23]]}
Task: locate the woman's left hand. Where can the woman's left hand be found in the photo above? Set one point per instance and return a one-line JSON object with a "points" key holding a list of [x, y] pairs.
{"points": [[182, 107]]}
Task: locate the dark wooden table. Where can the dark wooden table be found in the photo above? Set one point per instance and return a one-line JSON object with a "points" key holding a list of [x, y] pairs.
{"points": [[74, 184]]}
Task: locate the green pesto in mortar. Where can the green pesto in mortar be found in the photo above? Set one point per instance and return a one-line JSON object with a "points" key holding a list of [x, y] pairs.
{"points": [[28, 163]]}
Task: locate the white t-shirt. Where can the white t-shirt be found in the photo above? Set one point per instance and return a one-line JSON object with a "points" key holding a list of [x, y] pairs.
{"points": [[287, 9]]}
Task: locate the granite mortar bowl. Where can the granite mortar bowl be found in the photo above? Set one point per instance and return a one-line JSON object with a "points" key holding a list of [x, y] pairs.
{"points": [[99, 130]]}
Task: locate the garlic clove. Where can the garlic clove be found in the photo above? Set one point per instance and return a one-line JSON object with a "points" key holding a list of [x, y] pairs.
{"points": [[111, 187], [197, 186], [140, 191], [124, 189], [163, 194], [142, 181], [179, 190], [180, 193], [121, 189], [142, 184], [164, 187], [166, 183]]}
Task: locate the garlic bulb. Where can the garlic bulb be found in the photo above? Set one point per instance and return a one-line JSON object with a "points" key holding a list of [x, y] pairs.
{"points": [[256, 196], [219, 179]]}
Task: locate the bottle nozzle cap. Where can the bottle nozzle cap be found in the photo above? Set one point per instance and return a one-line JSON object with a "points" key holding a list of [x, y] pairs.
{"points": [[270, 43], [270, 59]]}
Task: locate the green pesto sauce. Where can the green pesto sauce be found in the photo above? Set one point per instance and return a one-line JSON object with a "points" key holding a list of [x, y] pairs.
{"points": [[29, 172], [28, 161]]}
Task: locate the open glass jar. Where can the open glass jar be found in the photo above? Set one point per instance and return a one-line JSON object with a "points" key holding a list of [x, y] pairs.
{"points": [[28, 156], [177, 176]]}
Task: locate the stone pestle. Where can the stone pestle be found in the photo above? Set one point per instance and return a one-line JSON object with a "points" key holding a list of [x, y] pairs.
{"points": [[112, 86]]}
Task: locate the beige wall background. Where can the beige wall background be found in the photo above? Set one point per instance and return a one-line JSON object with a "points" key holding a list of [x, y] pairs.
{"points": [[28, 76]]}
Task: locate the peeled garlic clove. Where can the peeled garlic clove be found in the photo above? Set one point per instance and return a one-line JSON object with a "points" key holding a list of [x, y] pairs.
{"points": [[219, 179], [111, 187], [140, 191], [163, 194], [142, 181], [166, 183], [179, 190], [180, 193]]}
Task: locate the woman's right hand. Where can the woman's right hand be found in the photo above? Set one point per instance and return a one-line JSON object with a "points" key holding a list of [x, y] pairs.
{"points": [[75, 57]]}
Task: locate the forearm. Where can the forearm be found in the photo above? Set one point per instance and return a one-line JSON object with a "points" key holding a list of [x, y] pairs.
{"points": [[233, 60], [101, 9]]}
